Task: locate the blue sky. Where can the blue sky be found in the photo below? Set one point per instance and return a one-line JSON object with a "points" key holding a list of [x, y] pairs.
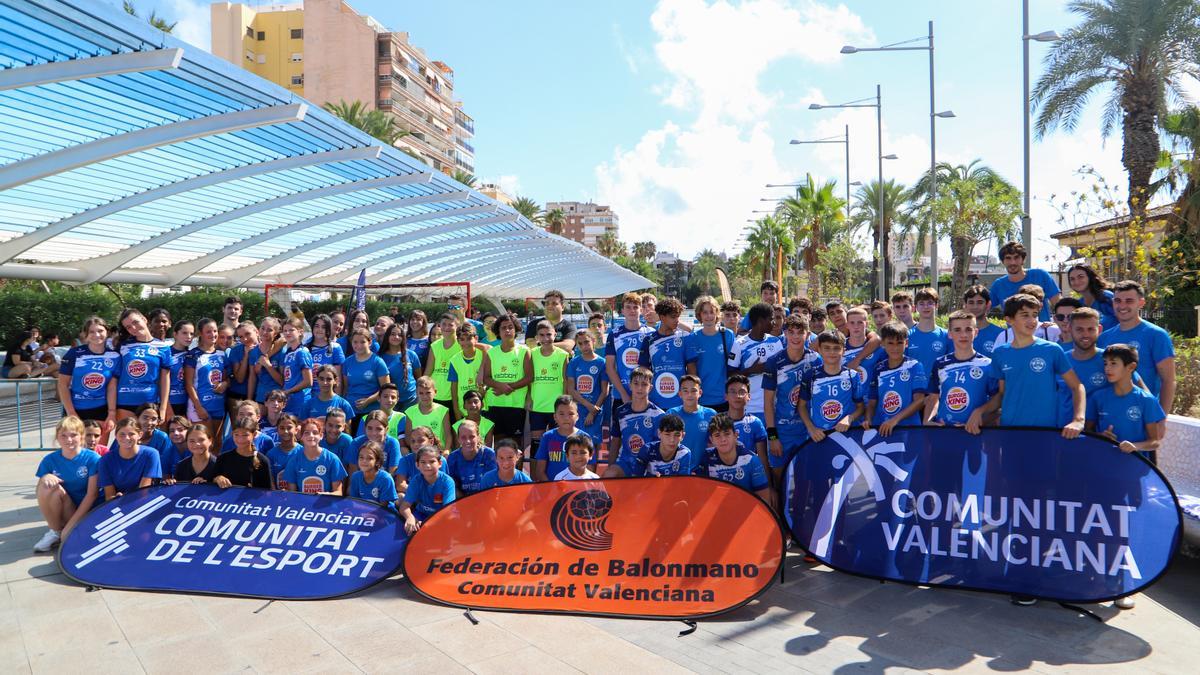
{"points": [[677, 112]]}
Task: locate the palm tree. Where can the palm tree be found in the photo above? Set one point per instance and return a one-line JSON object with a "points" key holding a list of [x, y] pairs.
{"points": [[375, 123], [1184, 126], [703, 277], [609, 246], [528, 208], [865, 213], [555, 220], [154, 19], [1141, 50], [814, 215], [464, 177], [644, 250], [766, 239]]}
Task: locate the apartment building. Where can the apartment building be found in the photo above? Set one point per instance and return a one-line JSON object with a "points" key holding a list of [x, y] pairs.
{"points": [[586, 222]]}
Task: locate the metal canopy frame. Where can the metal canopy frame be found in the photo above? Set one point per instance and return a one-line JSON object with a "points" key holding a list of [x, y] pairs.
{"points": [[128, 156]]}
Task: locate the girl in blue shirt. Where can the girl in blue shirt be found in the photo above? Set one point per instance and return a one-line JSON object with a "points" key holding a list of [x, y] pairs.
{"points": [[324, 349], [67, 483], [206, 377], [506, 472], [324, 398], [177, 432], [129, 466], [264, 355], [362, 375], [87, 378], [297, 375], [151, 436], [370, 482], [1093, 291], [375, 430], [145, 372], [427, 493], [358, 318], [313, 470], [418, 334], [184, 332], [403, 364], [282, 451]]}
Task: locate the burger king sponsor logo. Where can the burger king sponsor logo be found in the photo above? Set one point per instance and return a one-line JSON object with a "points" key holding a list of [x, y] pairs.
{"points": [[891, 402], [636, 442], [667, 385], [831, 410], [215, 377], [585, 384], [630, 357], [137, 368], [93, 381], [957, 399]]}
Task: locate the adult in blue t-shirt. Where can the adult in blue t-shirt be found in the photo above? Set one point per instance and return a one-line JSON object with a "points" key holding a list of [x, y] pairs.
{"points": [[1013, 255], [1156, 351], [468, 472]]}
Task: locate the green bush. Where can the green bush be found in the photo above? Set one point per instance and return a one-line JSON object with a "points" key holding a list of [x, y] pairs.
{"points": [[199, 304], [62, 311], [1187, 376]]}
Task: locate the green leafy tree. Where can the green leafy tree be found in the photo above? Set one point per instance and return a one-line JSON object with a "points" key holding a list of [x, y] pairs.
{"points": [[377, 123], [865, 214], [844, 274], [1139, 51], [639, 267], [609, 246], [814, 217], [973, 209], [528, 208], [1183, 128], [154, 19], [764, 239], [703, 278], [555, 221], [644, 250], [464, 177]]}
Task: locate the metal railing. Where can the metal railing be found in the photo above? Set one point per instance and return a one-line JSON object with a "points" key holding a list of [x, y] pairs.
{"points": [[29, 410]]}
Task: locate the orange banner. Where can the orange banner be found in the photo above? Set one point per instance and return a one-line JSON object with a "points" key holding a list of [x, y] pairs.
{"points": [[679, 547]]}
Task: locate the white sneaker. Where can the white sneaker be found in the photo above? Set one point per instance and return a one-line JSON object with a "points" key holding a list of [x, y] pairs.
{"points": [[1124, 603], [47, 542]]}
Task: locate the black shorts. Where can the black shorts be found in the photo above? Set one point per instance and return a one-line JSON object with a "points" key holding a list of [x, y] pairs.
{"points": [[131, 408], [99, 413], [510, 422], [180, 409], [449, 406], [540, 421]]}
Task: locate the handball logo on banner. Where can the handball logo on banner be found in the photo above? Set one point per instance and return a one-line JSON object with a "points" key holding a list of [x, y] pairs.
{"points": [[578, 520], [860, 462], [93, 381], [137, 368], [110, 532]]}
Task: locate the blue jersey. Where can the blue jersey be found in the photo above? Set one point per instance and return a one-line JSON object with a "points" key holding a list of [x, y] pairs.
{"points": [[295, 362], [316, 408], [830, 397], [391, 452], [468, 473], [649, 462], [1127, 415], [747, 353], [160, 441], [362, 380], [783, 376], [263, 382], [1091, 373], [1002, 289], [926, 347], [1153, 345], [426, 499], [750, 431], [381, 490], [710, 353], [311, 476], [1029, 375], [695, 428], [746, 471], [405, 378], [348, 351], [278, 458], [141, 365], [868, 362], [408, 467], [664, 356], [635, 429], [329, 355], [985, 339], [625, 347], [74, 473], [588, 377], [1104, 304], [419, 346], [961, 386], [263, 442], [171, 457], [90, 374], [492, 479], [237, 388], [125, 474], [894, 389], [211, 369], [552, 450], [178, 359], [340, 448]]}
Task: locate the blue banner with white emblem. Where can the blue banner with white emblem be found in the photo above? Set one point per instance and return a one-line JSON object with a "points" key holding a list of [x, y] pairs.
{"points": [[238, 541], [1020, 511]]}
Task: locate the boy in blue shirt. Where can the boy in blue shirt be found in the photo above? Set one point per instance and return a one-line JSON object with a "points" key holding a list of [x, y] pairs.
{"points": [[831, 394], [896, 388], [551, 456], [978, 301], [622, 350], [781, 393], [751, 431], [587, 384], [1127, 414], [635, 423], [695, 416], [1156, 352], [665, 457], [961, 381], [728, 460], [662, 352], [751, 351], [926, 340], [707, 352], [1026, 369]]}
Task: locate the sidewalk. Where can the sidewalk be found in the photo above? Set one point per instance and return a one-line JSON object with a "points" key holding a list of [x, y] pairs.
{"points": [[819, 621]]}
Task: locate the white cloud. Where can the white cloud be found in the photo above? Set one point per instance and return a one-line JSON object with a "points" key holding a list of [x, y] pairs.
{"points": [[511, 184], [691, 184], [194, 20]]}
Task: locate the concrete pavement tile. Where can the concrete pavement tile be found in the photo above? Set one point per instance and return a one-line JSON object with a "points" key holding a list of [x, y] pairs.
{"points": [[202, 651], [326, 617], [293, 650], [114, 657], [469, 643], [248, 617], [524, 660], [406, 607]]}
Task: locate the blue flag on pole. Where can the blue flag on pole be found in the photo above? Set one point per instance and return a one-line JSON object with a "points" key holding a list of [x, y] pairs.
{"points": [[360, 290]]}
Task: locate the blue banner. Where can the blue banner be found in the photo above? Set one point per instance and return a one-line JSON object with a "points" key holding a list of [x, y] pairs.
{"points": [[1018, 511], [237, 541]]}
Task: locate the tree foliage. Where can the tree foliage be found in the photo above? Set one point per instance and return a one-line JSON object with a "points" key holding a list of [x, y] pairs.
{"points": [[377, 123]]}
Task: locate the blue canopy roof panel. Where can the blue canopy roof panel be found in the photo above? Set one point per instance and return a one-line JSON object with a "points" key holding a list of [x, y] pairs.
{"points": [[129, 156]]}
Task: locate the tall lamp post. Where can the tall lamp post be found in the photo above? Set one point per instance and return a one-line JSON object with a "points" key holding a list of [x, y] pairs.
{"points": [[881, 281], [933, 115], [845, 140], [1045, 36]]}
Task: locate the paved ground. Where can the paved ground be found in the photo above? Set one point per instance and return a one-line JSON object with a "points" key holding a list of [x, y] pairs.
{"points": [[819, 621]]}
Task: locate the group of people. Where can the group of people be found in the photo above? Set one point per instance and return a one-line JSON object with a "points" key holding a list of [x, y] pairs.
{"points": [[414, 416]]}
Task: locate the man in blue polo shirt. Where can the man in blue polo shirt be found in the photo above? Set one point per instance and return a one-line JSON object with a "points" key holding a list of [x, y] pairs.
{"points": [[1156, 352], [1013, 255]]}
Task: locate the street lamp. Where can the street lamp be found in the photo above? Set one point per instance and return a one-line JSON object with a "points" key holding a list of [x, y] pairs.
{"points": [[933, 115], [845, 140], [881, 254], [1044, 36]]}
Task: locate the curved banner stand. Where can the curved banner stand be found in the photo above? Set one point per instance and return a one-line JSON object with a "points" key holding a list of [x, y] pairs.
{"points": [[1020, 511], [661, 548], [238, 541]]}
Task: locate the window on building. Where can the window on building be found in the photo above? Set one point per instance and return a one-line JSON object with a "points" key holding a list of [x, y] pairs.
{"points": [[249, 32], [297, 57], [297, 33], [298, 80], [384, 103], [383, 49], [249, 56], [261, 36]]}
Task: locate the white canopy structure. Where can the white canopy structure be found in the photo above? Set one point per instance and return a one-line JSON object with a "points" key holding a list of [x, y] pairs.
{"points": [[129, 156]]}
